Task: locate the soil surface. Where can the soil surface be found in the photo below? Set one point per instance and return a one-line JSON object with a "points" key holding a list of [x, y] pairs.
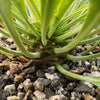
{"points": [[23, 79]]}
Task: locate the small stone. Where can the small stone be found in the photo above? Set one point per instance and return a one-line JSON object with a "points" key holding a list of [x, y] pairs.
{"points": [[13, 98], [29, 86], [21, 95], [27, 81], [34, 98], [65, 66], [83, 88], [1, 73], [8, 73], [10, 88], [40, 74], [98, 91], [9, 41], [29, 92], [88, 97], [20, 87], [2, 57], [54, 84], [3, 94], [61, 91], [14, 68], [79, 70], [58, 97], [75, 96], [95, 73], [38, 84], [18, 80], [94, 68], [12, 46], [52, 69], [40, 95], [48, 92], [23, 59], [71, 86], [4, 66], [29, 70]]}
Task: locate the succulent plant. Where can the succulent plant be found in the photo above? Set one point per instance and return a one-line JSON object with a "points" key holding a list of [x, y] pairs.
{"points": [[48, 30]]}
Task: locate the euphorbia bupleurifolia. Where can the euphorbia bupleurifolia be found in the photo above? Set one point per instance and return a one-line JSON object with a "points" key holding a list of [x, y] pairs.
{"points": [[51, 28]]}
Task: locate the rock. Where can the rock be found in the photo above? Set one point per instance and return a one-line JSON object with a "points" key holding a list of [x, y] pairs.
{"points": [[4, 79], [58, 97], [40, 95], [79, 70], [52, 69], [13, 98], [38, 84], [9, 41], [83, 88], [20, 87], [94, 68], [61, 91], [29, 92], [48, 92], [29, 86], [34, 98], [10, 88], [54, 84], [88, 97], [71, 86], [1, 73], [51, 77], [14, 68], [75, 96], [2, 57], [27, 81], [95, 73], [65, 66], [3, 94], [23, 59], [4, 66], [12, 46], [98, 91], [40, 74], [21, 95], [8, 73], [17, 80], [29, 70]]}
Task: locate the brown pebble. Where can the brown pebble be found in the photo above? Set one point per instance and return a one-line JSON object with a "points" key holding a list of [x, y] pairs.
{"points": [[14, 68], [23, 59], [78, 70], [88, 97], [27, 95], [29, 86], [18, 80], [4, 66]]}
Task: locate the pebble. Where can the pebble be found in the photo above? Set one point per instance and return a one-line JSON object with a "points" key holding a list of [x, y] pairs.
{"points": [[23, 59], [9, 41], [75, 96], [52, 69], [48, 92], [38, 84], [13, 98], [1, 73], [55, 84], [12, 46], [61, 91], [21, 95], [29, 86], [3, 94], [94, 68], [27, 81], [4, 66], [14, 68], [98, 91], [71, 86], [58, 97], [65, 66], [78, 70], [4, 79], [2, 57], [40, 95], [95, 73], [17, 80], [29, 70], [20, 87], [88, 97], [83, 88], [10, 88], [29, 92], [40, 74]]}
